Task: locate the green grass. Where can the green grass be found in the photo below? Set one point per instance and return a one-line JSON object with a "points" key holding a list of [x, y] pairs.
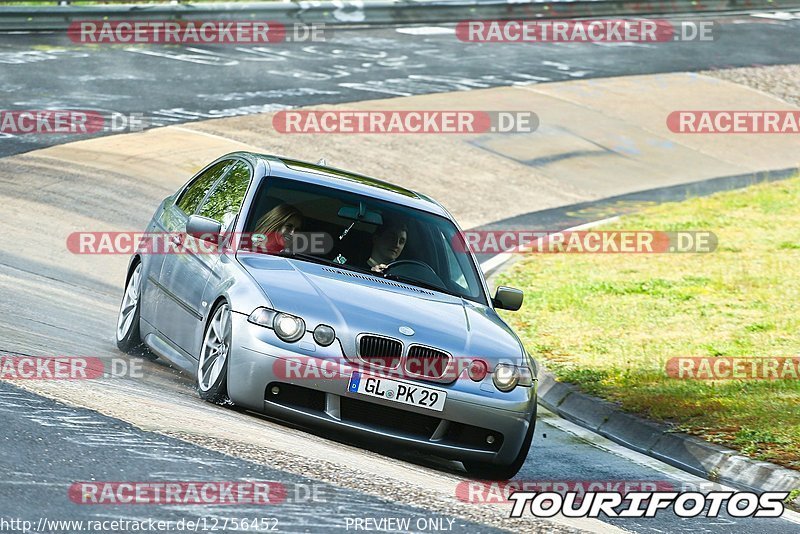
{"points": [[609, 322]]}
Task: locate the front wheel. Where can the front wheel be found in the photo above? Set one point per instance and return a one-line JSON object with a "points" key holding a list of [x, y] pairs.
{"points": [[487, 471], [212, 370], [128, 336]]}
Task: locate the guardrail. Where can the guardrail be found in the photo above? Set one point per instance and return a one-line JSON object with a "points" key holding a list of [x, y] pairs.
{"points": [[356, 12]]}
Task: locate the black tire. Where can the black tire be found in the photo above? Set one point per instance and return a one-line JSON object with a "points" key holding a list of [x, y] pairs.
{"points": [[488, 471], [128, 335], [213, 386]]}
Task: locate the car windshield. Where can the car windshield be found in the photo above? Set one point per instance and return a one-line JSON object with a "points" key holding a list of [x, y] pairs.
{"points": [[321, 224]]}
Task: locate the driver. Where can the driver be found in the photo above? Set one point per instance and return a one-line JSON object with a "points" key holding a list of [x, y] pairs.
{"points": [[388, 243]]}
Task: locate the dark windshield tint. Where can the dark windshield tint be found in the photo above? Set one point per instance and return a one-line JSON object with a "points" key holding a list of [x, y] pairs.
{"points": [[427, 245]]}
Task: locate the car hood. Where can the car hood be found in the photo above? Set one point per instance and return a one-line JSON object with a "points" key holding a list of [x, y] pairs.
{"points": [[355, 303]]}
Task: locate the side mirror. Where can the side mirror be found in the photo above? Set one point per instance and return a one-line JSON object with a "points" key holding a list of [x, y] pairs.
{"points": [[507, 298], [203, 228]]}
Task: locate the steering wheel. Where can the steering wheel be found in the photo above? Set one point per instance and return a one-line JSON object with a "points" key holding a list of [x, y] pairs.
{"points": [[427, 275], [410, 262]]}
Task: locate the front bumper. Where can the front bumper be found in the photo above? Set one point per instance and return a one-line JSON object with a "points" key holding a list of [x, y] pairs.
{"points": [[257, 380]]}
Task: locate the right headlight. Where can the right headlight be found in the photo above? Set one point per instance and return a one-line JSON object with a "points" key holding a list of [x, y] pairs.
{"points": [[507, 376], [288, 327]]}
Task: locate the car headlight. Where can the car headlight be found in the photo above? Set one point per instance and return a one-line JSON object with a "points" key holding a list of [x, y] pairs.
{"points": [[288, 327], [506, 377]]}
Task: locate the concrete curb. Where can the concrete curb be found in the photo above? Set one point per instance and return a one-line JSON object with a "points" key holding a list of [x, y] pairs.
{"points": [[356, 12], [698, 457]]}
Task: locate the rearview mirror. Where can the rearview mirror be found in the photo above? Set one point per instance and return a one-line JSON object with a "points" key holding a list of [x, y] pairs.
{"points": [[507, 298], [203, 228], [361, 213]]}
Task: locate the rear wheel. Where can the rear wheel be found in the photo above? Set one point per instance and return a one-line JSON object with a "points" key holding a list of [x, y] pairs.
{"points": [[488, 471], [212, 370], [128, 335]]}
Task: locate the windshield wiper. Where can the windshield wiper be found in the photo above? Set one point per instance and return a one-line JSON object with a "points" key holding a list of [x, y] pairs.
{"points": [[306, 257], [416, 282]]}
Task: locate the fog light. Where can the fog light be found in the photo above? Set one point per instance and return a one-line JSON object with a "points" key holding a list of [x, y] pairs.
{"points": [[489, 439], [288, 327], [275, 390], [324, 335], [477, 370]]}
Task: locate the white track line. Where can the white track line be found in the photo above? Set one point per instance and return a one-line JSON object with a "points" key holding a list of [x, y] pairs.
{"points": [[206, 134], [496, 261]]}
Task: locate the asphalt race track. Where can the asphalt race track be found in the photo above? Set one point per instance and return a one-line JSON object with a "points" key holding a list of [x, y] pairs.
{"points": [[170, 84], [87, 447], [155, 427]]}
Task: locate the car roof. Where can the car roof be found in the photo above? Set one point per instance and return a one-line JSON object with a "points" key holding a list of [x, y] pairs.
{"points": [[350, 181]]}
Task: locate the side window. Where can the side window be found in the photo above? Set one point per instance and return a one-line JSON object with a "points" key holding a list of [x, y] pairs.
{"points": [[194, 194], [225, 201]]}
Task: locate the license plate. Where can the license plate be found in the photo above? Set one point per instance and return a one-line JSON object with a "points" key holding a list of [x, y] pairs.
{"points": [[397, 391]]}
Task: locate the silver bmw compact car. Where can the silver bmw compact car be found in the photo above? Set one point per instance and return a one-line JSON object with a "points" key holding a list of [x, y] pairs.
{"points": [[334, 301]]}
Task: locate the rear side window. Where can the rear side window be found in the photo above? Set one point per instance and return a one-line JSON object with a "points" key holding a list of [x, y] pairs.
{"points": [[196, 192], [226, 200]]}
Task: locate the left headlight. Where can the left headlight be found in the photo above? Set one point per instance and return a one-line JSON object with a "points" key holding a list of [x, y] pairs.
{"points": [[287, 327], [506, 377]]}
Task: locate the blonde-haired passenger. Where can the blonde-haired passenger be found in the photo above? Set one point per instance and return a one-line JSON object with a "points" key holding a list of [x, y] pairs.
{"points": [[278, 226]]}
